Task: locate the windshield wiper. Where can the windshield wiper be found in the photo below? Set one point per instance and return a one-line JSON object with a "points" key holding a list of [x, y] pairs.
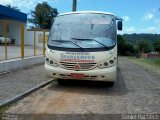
{"points": [[88, 39], [67, 41]]}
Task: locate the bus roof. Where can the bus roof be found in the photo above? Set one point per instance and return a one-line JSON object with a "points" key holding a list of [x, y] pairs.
{"points": [[94, 12]]}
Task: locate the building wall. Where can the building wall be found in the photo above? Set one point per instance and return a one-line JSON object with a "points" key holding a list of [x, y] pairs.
{"points": [[29, 37], [15, 32]]}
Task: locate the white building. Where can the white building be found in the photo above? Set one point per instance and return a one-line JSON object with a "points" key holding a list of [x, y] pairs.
{"points": [[14, 20]]}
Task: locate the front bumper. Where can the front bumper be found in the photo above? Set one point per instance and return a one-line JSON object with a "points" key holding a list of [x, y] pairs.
{"points": [[106, 74]]}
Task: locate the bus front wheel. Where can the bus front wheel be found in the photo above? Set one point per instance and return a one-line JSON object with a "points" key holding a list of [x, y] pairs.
{"points": [[110, 84], [61, 81]]}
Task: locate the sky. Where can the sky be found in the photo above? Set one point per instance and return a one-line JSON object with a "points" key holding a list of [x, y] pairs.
{"points": [[139, 16]]}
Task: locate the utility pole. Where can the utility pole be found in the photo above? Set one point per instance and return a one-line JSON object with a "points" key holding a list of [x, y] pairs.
{"points": [[74, 5]]}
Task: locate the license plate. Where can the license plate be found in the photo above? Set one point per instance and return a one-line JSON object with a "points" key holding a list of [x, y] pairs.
{"points": [[74, 75]]}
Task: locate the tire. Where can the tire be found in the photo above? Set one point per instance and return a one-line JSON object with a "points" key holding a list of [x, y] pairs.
{"points": [[61, 81], [110, 84]]}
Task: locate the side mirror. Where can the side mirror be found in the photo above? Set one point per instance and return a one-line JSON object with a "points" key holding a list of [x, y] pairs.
{"points": [[120, 26]]}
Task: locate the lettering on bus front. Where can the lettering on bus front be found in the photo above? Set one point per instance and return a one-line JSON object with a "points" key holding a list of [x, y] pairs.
{"points": [[77, 58]]}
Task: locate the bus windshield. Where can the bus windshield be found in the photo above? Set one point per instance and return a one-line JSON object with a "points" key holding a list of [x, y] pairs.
{"points": [[83, 31]]}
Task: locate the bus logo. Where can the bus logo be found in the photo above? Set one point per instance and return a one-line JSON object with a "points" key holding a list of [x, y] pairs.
{"points": [[77, 67]]}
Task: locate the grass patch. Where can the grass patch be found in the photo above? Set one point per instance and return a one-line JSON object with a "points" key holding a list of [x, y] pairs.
{"points": [[150, 63], [3, 109], [131, 57], [154, 61]]}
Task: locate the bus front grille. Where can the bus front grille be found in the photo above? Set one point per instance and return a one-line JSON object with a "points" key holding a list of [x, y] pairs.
{"points": [[78, 66]]}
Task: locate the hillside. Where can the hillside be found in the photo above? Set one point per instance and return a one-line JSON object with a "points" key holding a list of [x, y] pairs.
{"points": [[135, 38]]}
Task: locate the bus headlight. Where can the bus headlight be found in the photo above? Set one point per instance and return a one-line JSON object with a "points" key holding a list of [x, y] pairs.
{"points": [[111, 61], [47, 59], [106, 64], [51, 62], [100, 65], [55, 64]]}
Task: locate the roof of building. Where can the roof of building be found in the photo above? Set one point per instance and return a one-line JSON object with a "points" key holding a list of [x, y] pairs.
{"points": [[8, 13]]}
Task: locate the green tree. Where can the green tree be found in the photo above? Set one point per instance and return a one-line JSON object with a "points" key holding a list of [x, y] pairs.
{"points": [[13, 7], [143, 47], [130, 50], [43, 16], [157, 46], [121, 45]]}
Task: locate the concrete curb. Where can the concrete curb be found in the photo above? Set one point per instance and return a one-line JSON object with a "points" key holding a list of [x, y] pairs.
{"points": [[14, 64], [15, 70], [26, 93]]}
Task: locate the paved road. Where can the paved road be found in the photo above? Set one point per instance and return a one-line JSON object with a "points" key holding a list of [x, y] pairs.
{"points": [[18, 82], [136, 91]]}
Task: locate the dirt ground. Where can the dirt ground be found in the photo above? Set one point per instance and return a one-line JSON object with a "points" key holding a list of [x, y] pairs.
{"points": [[136, 91]]}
